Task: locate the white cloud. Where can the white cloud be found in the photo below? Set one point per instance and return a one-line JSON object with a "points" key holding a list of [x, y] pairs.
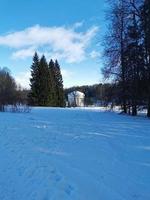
{"points": [[23, 53], [94, 54], [67, 74], [23, 79], [65, 42], [78, 24]]}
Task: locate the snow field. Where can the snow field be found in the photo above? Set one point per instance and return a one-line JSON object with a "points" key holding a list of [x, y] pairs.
{"points": [[74, 154]]}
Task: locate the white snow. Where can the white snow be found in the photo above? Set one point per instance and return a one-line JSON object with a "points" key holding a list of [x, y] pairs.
{"points": [[74, 154]]}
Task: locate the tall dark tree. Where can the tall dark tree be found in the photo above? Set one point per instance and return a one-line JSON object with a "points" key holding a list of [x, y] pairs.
{"points": [[57, 91], [145, 24], [52, 92], [34, 81], [115, 45], [44, 82], [59, 86], [134, 62]]}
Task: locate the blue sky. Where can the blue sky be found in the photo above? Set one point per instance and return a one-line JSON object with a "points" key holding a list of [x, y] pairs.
{"points": [[69, 30]]}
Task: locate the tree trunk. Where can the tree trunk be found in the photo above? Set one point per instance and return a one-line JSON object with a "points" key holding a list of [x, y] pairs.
{"points": [[134, 110], [148, 107], [1, 108], [124, 106], [129, 110], [148, 103]]}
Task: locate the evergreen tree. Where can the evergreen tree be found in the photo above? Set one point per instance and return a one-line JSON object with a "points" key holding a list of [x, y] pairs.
{"points": [[57, 91], [44, 83], [34, 81], [52, 92], [59, 86]]}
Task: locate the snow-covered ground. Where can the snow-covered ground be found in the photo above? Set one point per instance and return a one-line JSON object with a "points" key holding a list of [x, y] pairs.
{"points": [[74, 154]]}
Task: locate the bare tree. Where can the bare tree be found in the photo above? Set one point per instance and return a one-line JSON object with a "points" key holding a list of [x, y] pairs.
{"points": [[115, 45]]}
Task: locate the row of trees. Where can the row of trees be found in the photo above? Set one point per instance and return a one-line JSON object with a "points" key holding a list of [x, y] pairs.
{"points": [[127, 52], [46, 83]]}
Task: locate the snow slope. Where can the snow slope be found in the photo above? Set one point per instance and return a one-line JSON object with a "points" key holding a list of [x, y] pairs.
{"points": [[74, 154]]}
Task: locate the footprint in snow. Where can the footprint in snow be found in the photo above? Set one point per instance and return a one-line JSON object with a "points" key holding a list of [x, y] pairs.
{"points": [[68, 190], [53, 171], [56, 176]]}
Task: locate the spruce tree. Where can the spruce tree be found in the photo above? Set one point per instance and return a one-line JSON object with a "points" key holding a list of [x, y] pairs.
{"points": [[52, 92], [34, 81], [57, 91], [59, 85], [44, 83]]}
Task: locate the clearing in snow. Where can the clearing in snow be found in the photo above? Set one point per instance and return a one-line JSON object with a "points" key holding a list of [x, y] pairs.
{"points": [[74, 154]]}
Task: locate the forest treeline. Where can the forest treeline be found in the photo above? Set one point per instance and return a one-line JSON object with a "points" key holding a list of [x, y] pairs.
{"points": [[127, 53], [97, 94], [43, 93], [102, 94]]}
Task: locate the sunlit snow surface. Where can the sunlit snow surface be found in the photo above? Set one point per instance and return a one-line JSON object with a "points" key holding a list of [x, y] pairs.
{"points": [[74, 154]]}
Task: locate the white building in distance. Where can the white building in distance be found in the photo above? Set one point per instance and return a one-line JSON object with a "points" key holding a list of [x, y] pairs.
{"points": [[76, 99]]}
